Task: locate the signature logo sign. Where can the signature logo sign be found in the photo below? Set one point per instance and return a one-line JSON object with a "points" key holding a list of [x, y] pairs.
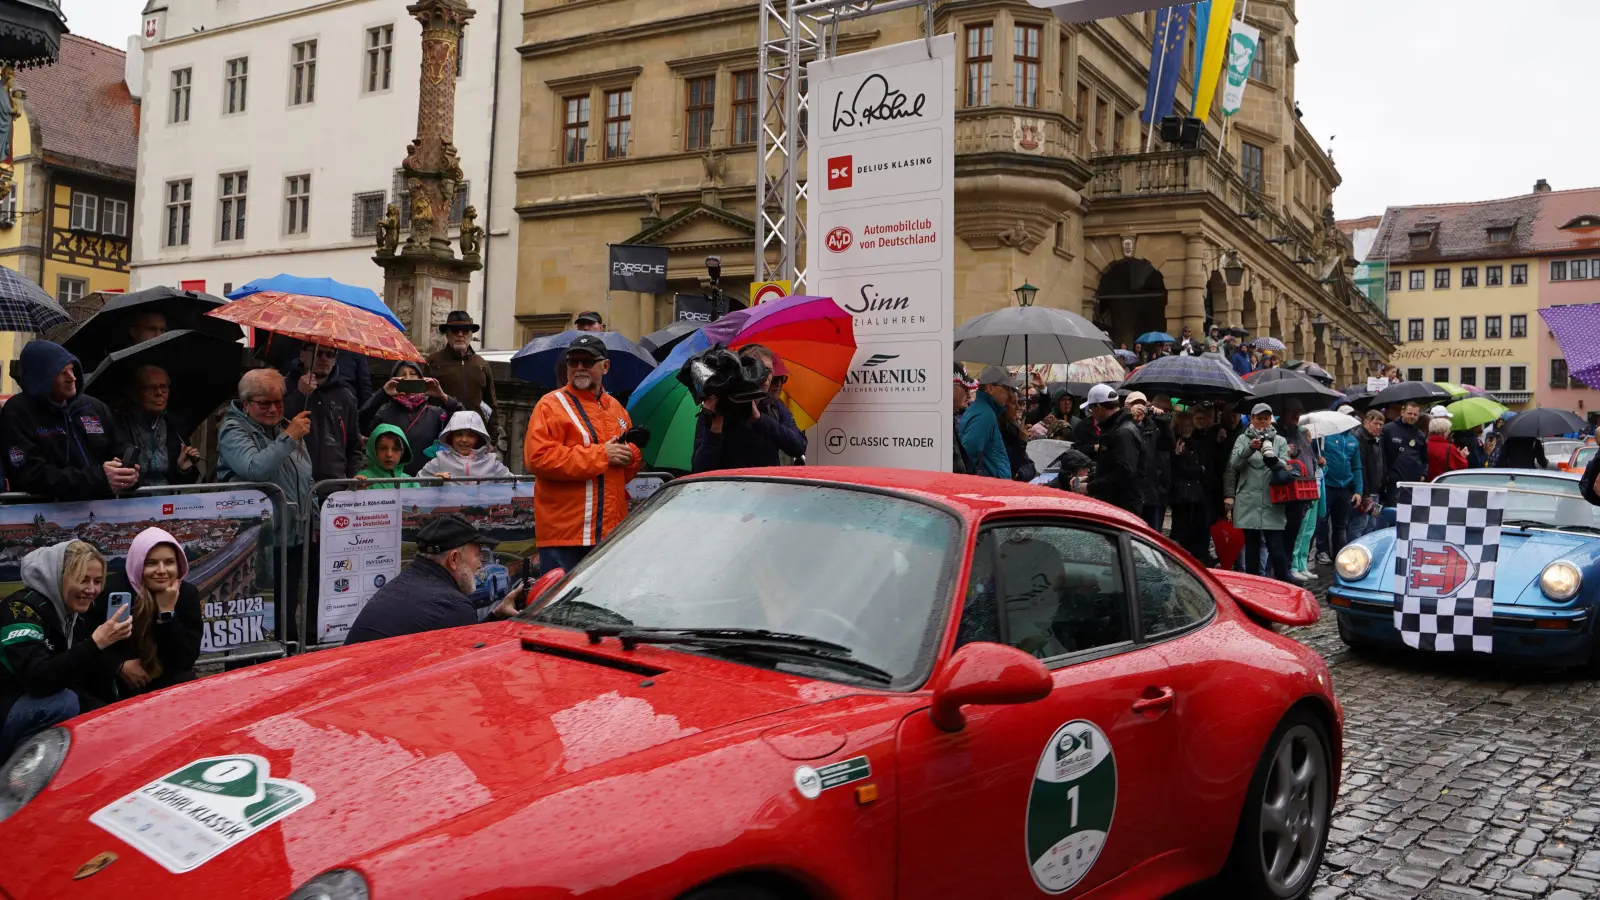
{"points": [[875, 100]]}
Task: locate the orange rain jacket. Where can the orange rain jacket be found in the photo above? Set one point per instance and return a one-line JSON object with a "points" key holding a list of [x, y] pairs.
{"points": [[579, 497]]}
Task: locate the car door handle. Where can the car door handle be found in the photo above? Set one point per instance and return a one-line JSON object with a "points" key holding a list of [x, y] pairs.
{"points": [[1162, 700]]}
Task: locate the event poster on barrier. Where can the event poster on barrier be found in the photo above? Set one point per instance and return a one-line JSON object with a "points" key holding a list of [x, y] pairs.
{"points": [[880, 226], [227, 537], [366, 538]]}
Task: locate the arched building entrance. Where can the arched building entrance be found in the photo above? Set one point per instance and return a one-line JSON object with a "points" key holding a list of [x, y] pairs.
{"points": [[1130, 300]]}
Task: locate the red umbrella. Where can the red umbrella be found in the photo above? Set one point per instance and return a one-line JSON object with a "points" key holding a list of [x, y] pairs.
{"points": [[321, 320]]}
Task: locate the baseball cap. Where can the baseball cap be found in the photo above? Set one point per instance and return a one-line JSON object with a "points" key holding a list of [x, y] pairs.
{"points": [[588, 316], [1135, 397], [1100, 393], [448, 532], [590, 344], [1439, 412], [1260, 409], [1347, 409], [997, 375]]}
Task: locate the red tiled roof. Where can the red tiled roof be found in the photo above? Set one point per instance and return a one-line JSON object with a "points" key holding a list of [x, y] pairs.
{"points": [[1562, 208], [1458, 230], [82, 106]]}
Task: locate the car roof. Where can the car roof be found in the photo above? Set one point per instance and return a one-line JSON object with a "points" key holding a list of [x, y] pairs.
{"points": [[1546, 473], [973, 495]]}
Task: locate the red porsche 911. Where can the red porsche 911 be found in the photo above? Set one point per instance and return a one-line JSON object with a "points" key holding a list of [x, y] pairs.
{"points": [[773, 684]]}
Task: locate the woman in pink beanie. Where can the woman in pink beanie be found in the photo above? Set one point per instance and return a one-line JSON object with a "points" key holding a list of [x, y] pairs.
{"points": [[167, 619]]}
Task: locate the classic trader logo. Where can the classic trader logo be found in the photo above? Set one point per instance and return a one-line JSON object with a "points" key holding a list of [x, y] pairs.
{"points": [[841, 172], [834, 440], [839, 239]]}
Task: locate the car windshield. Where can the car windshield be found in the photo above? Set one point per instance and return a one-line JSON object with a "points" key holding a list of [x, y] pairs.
{"points": [[1581, 458], [1535, 501], [1559, 451], [860, 569]]}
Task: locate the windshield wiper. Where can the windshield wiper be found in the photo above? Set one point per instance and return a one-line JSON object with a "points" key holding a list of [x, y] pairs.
{"points": [[611, 618], [631, 636], [825, 658]]}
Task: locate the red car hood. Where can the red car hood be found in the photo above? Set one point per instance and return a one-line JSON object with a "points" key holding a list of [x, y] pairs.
{"points": [[394, 738]]}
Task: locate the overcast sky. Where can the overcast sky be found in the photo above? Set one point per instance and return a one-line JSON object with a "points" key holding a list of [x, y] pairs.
{"points": [[1426, 101]]}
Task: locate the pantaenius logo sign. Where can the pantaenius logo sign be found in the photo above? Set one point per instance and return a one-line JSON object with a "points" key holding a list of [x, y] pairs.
{"points": [[840, 239], [841, 172]]}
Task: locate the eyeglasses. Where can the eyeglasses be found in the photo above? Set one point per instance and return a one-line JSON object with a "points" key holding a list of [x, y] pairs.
{"points": [[458, 331], [582, 362], [157, 388], [267, 404], [325, 353]]}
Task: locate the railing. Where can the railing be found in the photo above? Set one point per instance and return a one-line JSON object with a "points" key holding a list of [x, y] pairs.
{"points": [[1012, 130]]}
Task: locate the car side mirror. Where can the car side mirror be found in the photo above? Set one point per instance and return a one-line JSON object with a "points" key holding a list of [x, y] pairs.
{"points": [[542, 586], [985, 674]]}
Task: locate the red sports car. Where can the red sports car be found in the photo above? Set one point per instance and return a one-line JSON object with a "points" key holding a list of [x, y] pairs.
{"points": [[774, 684]]}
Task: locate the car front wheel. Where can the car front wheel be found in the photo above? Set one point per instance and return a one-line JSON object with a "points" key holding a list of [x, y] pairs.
{"points": [[1284, 826]]}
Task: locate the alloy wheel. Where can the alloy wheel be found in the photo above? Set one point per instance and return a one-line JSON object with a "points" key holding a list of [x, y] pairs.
{"points": [[1294, 811]]}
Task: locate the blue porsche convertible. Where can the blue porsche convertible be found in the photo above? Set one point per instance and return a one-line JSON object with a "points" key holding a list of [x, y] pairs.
{"points": [[1547, 583]]}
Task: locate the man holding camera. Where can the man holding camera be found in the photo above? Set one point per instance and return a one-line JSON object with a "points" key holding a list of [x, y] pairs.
{"points": [[734, 434], [575, 446]]}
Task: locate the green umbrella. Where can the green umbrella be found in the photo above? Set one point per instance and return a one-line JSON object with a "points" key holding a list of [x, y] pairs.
{"points": [[1474, 411], [663, 404], [1456, 390]]}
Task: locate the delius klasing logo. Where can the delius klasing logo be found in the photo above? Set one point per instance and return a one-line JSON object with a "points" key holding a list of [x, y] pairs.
{"points": [[841, 173], [839, 239]]}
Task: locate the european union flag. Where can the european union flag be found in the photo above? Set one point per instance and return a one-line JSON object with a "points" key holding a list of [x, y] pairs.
{"points": [[1166, 62]]}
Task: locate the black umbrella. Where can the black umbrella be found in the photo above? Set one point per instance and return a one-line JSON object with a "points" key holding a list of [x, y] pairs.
{"points": [[1421, 393], [1237, 332], [1358, 396], [1310, 369], [107, 330], [1188, 377], [204, 371], [1279, 387], [24, 306], [660, 343], [1542, 423]]}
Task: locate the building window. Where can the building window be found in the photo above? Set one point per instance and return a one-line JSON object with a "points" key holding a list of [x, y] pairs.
{"points": [[1258, 65], [700, 105], [1413, 374], [1491, 328], [303, 63], [1518, 378], [231, 203], [1026, 58], [1441, 373], [1469, 375], [744, 107], [70, 290], [235, 85], [1500, 235], [1102, 112], [1491, 378], [1119, 125], [1441, 279], [179, 194], [182, 83], [297, 204], [380, 58], [619, 122], [1441, 329], [1420, 240], [1413, 329], [980, 63], [1469, 328], [461, 53], [458, 206], [1418, 280], [575, 133], [1469, 276], [365, 212], [1578, 269], [1253, 166], [1519, 274], [85, 212], [1394, 330], [1519, 326], [114, 217], [1558, 270], [1493, 275], [1394, 281], [8, 208], [1558, 373], [1081, 114]]}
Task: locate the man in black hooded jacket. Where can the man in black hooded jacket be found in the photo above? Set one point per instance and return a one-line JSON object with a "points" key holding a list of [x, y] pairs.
{"points": [[60, 443], [1119, 462], [335, 439]]}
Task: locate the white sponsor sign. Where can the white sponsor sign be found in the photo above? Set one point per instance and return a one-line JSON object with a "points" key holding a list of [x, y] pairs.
{"points": [[1242, 48], [360, 542], [881, 226]]}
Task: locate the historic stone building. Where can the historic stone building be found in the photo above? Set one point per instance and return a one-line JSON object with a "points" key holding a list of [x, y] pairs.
{"points": [[639, 125]]}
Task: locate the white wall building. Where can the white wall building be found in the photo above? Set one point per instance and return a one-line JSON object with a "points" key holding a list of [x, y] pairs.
{"points": [[273, 132]]}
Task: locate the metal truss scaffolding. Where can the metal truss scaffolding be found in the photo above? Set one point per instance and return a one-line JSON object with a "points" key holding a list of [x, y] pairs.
{"points": [[793, 33]]}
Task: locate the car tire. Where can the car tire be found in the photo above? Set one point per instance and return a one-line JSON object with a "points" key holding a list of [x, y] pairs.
{"points": [[732, 890], [1283, 829]]}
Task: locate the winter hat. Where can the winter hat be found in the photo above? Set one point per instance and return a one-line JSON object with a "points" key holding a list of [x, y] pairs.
{"points": [[143, 543]]}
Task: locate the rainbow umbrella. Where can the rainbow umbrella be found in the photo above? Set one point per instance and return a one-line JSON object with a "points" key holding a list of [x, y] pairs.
{"points": [[663, 404]]}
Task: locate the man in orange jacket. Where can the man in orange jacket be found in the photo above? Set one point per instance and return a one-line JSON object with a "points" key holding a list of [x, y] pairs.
{"points": [[574, 447]]}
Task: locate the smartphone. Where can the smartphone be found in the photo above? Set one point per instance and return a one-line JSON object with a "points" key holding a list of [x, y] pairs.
{"points": [[412, 386], [119, 606]]}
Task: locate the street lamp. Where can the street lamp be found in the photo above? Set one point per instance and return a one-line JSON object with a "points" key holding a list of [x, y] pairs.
{"points": [[1359, 352], [1233, 269], [1319, 324], [1338, 338], [1025, 294]]}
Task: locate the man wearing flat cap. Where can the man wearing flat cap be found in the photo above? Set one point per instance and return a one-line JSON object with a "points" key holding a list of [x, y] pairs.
{"points": [[980, 424], [435, 590]]}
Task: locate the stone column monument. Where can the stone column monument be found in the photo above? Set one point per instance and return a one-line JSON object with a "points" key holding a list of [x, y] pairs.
{"points": [[423, 278]]}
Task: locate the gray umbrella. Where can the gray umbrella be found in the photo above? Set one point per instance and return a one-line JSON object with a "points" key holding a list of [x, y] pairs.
{"points": [[1023, 335]]}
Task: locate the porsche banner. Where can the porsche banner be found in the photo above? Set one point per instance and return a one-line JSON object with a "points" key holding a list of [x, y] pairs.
{"points": [[638, 268], [1447, 542]]}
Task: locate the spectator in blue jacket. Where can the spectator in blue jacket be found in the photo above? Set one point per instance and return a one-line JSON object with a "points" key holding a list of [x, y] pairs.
{"points": [[1240, 358], [980, 424], [1343, 477]]}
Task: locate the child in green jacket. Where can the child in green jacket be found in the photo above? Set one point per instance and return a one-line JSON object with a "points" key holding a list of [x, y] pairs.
{"points": [[387, 455]]}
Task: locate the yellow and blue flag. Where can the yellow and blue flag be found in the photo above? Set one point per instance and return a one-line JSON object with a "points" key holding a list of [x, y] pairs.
{"points": [[1166, 62], [1202, 24], [1216, 44]]}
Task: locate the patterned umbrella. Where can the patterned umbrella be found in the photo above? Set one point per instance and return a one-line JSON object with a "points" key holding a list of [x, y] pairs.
{"points": [[320, 320], [813, 336], [24, 306], [1577, 331], [1269, 343], [353, 295], [1190, 377], [1126, 357]]}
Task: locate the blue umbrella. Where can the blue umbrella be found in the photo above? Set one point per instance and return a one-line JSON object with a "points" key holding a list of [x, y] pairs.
{"points": [[348, 294], [1156, 337], [630, 364]]}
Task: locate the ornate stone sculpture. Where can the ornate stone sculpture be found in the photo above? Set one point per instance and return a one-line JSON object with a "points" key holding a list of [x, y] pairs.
{"points": [[471, 236], [421, 220], [389, 231]]}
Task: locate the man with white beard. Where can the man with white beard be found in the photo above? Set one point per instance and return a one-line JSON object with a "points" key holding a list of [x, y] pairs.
{"points": [[435, 590]]}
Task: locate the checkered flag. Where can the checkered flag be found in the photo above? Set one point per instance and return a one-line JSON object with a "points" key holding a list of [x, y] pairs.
{"points": [[1447, 542]]}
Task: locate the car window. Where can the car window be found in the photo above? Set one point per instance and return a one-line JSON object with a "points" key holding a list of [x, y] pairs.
{"points": [[1170, 598], [1061, 590], [980, 617]]}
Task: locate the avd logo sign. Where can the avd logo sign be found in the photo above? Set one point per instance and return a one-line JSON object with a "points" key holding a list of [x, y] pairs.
{"points": [[839, 239]]}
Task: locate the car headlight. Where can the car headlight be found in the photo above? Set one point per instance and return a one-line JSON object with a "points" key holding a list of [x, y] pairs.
{"points": [[336, 884], [1353, 562], [30, 768], [1560, 580]]}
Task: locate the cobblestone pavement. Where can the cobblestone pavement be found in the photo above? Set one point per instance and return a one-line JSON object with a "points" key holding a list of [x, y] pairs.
{"points": [[1461, 779]]}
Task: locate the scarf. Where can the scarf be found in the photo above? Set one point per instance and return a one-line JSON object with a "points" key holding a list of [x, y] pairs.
{"points": [[411, 401]]}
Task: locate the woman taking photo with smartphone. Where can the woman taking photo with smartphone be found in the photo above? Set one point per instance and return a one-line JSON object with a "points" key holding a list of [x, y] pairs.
{"points": [[166, 615], [413, 404], [54, 661]]}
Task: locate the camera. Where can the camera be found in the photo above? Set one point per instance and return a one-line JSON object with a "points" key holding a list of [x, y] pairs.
{"points": [[736, 382]]}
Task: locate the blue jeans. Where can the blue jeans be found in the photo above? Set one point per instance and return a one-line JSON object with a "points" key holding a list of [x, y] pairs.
{"points": [[561, 557], [30, 715]]}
